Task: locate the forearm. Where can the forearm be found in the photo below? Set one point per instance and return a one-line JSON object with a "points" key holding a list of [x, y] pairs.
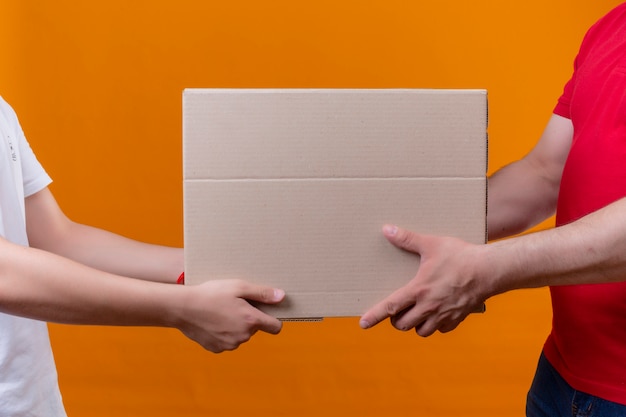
{"points": [[590, 250], [50, 230], [525, 192], [518, 201], [119, 255], [44, 286]]}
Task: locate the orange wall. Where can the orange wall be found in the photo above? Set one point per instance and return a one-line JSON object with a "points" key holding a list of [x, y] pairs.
{"points": [[98, 88]]}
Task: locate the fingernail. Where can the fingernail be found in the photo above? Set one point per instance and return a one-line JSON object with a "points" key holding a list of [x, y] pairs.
{"points": [[364, 324], [278, 294], [390, 230]]}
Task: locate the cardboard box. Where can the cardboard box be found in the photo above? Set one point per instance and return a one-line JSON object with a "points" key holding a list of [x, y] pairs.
{"points": [[291, 187]]}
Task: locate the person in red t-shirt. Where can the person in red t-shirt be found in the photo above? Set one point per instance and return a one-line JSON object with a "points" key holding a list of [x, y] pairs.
{"points": [[578, 169]]}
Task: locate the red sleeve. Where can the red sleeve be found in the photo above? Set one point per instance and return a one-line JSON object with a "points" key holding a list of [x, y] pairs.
{"points": [[562, 107]]}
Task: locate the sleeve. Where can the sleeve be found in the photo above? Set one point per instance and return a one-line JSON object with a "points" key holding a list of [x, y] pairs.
{"points": [[562, 107], [34, 177], [563, 104], [597, 30]]}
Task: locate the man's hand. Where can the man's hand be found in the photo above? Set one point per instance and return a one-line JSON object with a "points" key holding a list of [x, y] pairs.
{"points": [[217, 315], [444, 291]]}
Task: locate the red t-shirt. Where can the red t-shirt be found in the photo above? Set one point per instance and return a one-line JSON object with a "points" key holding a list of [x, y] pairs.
{"points": [[587, 344]]}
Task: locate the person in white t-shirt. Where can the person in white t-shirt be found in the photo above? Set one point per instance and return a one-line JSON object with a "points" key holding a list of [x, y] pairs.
{"points": [[55, 270]]}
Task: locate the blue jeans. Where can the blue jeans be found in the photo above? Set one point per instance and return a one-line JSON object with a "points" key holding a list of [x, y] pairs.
{"points": [[551, 396]]}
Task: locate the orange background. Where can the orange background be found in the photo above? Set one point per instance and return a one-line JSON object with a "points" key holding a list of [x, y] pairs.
{"points": [[98, 85]]}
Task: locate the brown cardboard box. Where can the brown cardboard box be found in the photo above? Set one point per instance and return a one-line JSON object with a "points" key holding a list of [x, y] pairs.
{"points": [[291, 187]]}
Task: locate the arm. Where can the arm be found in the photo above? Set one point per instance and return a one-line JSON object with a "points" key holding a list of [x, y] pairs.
{"points": [[42, 285], [524, 193], [50, 230], [591, 250]]}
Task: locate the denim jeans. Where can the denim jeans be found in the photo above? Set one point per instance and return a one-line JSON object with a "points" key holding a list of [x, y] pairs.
{"points": [[551, 396]]}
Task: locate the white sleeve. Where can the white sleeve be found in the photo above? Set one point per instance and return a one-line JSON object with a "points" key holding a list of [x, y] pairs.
{"points": [[35, 178]]}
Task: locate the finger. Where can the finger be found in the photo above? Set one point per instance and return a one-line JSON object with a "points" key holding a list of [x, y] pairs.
{"points": [[409, 319], [448, 327], [269, 324], [389, 307], [402, 238], [261, 293], [427, 328]]}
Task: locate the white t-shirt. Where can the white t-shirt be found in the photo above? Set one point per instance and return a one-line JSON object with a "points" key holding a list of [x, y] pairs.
{"points": [[28, 377]]}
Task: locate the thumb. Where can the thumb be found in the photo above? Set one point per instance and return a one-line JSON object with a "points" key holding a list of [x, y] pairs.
{"points": [[261, 293], [403, 239]]}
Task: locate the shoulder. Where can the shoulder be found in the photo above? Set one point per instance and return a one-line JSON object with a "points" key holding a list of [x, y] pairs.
{"points": [[603, 31], [611, 23]]}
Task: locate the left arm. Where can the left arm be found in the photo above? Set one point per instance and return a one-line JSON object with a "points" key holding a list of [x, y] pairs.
{"points": [[49, 229]]}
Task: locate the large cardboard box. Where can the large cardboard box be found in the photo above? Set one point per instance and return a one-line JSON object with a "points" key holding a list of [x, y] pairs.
{"points": [[291, 187]]}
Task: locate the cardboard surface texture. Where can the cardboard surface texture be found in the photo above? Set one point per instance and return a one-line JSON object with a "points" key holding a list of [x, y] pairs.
{"points": [[291, 187]]}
